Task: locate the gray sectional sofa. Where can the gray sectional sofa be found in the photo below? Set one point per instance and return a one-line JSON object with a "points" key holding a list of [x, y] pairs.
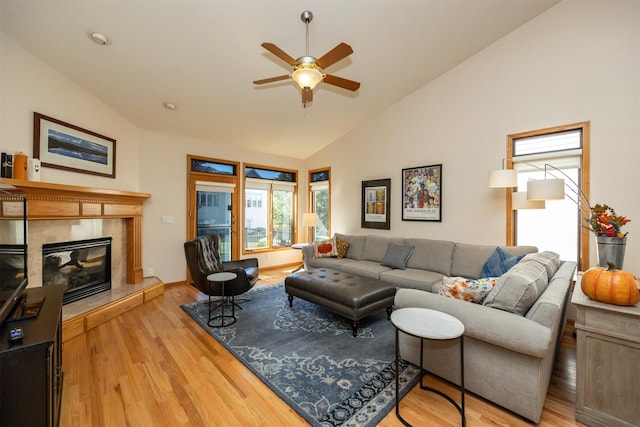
{"points": [[509, 347]]}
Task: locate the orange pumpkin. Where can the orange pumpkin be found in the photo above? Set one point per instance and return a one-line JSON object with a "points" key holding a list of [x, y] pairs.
{"points": [[610, 286]]}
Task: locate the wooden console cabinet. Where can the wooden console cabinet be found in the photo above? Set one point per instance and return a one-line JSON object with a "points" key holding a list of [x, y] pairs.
{"points": [[31, 370], [608, 362]]}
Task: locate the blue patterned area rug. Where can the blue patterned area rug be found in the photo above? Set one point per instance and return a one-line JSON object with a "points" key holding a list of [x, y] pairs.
{"points": [[308, 356]]}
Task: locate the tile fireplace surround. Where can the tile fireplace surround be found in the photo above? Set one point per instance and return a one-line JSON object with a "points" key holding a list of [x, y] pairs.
{"points": [[57, 213]]}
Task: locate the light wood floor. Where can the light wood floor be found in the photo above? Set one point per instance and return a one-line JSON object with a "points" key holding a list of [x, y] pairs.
{"points": [[154, 366]]}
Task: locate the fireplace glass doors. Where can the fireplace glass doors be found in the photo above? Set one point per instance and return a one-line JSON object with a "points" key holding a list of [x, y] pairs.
{"points": [[83, 266]]}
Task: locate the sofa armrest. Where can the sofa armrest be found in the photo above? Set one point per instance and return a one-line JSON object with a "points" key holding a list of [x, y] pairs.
{"points": [[240, 263], [307, 254], [486, 324]]}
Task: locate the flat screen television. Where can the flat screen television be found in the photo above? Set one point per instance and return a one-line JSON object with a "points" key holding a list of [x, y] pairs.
{"points": [[13, 277]]}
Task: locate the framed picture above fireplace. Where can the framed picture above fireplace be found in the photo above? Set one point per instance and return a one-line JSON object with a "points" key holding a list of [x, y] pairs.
{"points": [[65, 146]]}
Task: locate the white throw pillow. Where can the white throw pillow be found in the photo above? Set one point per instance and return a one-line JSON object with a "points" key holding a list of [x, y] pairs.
{"points": [[325, 248]]}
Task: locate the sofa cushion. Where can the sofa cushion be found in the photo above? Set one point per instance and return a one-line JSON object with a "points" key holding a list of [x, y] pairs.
{"points": [[356, 244], [397, 256], [549, 260], [325, 248], [499, 263], [550, 304], [363, 268], [376, 247], [326, 262], [431, 255], [412, 278], [343, 247], [468, 259], [473, 290], [517, 290]]}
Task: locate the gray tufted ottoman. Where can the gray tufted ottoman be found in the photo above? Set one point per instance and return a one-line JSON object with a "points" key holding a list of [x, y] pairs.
{"points": [[349, 295]]}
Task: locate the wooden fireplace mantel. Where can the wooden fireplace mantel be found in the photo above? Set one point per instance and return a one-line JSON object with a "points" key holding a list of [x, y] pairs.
{"points": [[49, 201]]}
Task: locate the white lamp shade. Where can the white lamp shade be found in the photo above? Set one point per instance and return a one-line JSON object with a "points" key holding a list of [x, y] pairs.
{"points": [[309, 219], [503, 178], [519, 201], [545, 189], [307, 77]]}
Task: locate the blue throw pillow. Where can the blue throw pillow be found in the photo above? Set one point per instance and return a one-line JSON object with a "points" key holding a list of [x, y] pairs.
{"points": [[499, 263]]}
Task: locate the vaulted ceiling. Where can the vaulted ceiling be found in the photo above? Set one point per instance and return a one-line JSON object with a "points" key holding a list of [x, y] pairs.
{"points": [[202, 56]]}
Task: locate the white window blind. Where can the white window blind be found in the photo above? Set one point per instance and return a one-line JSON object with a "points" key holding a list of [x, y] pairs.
{"points": [[264, 184], [320, 185], [215, 187]]}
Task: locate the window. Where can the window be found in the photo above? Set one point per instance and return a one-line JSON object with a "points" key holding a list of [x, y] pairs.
{"points": [[212, 167], [270, 200], [561, 153], [212, 202], [320, 202]]}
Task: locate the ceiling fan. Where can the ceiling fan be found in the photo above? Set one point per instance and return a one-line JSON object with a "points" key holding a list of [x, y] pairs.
{"points": [[309, 71]]}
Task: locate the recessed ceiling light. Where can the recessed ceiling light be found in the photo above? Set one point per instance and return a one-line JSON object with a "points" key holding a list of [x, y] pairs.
{"points": [[169, 106], [99, 38]]}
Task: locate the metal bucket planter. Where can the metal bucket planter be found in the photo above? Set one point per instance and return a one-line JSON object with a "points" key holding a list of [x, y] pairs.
{"points": [[611, 249]]}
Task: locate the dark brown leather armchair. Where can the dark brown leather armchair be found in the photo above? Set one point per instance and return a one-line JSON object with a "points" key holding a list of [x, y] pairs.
{"points": [[203, 258]]}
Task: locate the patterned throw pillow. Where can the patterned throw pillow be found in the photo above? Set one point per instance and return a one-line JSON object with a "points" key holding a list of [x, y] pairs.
{"points": [[325, 248], [467, 289], [342, 247]]}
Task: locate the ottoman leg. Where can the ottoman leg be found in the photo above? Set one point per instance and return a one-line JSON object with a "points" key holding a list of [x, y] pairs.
{"points": [[389, 310], [354, 328], [290, 297]]}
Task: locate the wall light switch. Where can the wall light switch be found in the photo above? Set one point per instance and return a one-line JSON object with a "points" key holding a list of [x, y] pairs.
{"points": [[167, 220]]}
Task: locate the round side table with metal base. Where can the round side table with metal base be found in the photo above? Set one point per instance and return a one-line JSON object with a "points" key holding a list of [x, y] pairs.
{"points": [[428, 324], [222, 278]]}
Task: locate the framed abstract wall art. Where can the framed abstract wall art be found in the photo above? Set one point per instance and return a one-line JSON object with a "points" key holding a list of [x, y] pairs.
{"points": [[422, 193], [62, 145], [376, 204]]}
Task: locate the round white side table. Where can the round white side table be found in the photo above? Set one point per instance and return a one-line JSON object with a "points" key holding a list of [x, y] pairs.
{"points": [[428, 324], [222, 278]]}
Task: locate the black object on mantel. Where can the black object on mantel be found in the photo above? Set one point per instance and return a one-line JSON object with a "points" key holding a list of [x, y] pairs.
{"points": [[31, 369]]}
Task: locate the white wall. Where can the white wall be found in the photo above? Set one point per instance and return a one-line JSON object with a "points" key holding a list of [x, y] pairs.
{"points": [[29, 85], [578, 61]]}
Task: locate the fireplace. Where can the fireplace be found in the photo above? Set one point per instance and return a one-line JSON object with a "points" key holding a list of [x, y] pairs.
{"points": [[83, 266]]}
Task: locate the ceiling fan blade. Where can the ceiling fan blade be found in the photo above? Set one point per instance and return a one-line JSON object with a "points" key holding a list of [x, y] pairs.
{"points": [[340, 82], [334, 55], [270, 80], [279, 53], [307, 95]]}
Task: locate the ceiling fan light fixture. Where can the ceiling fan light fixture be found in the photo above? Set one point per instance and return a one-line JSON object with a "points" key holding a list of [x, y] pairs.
{"points": [[308, 71], [307, 75]]}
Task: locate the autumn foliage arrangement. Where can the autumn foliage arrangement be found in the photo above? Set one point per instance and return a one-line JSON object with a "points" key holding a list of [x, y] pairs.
{"points": [[605, 222]]}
